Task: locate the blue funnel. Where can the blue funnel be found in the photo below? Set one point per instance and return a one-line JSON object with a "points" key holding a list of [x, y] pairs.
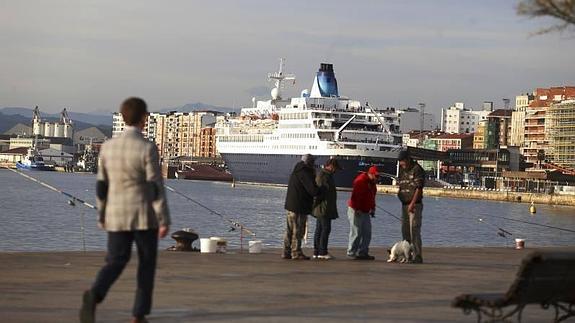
{"points": [[326, 81]]}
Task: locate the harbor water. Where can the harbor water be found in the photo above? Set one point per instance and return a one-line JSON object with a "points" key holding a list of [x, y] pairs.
{"points": [[37, 219]]}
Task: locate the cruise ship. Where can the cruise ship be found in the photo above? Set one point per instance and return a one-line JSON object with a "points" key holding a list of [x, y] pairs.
{"points": [[263, 144]]}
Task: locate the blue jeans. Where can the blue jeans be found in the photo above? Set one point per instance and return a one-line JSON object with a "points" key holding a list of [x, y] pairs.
{"points": [[359, 232]]}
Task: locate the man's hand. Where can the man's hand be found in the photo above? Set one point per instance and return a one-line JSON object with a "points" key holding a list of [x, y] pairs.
{"points": [[163, 231], [372, 213]]}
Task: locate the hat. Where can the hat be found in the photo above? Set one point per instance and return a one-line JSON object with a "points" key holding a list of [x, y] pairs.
{"points": [[333, 162], [403, 155], [373, 170], [308, 159]]}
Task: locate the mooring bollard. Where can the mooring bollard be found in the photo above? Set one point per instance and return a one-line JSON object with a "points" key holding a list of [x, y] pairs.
{"points": [[184, 239]]}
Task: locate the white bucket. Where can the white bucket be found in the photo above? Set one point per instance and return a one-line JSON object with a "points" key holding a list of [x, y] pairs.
{"points": [[208, 245], [255, 246], [221, 244], [519, 243]]}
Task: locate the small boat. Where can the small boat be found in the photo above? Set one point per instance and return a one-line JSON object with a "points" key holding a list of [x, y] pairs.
{"points": [[33, 161]]}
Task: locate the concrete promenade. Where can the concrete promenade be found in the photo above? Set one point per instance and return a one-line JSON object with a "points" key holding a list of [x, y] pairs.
{"points": [[193, 287]]}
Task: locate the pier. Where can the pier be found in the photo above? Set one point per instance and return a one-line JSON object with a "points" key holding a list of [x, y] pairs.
{"points": [[193, 287]]}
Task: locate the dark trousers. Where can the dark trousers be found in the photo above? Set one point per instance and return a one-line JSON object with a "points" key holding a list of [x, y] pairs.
{"points": [[321, 236], [119, 251]]}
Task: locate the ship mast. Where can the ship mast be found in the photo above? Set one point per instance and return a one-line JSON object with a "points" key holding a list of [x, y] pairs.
{"points": [[279, 77]]}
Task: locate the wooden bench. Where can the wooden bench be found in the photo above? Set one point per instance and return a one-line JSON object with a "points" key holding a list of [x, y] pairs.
{"points": [[545, 278]]}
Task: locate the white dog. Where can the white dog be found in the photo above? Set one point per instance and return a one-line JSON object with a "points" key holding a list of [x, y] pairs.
{"points": [[401, 251]]}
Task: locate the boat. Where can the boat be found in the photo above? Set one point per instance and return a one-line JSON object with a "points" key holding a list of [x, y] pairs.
{"points": [[203, 172], [266, 140], [33, 161]]}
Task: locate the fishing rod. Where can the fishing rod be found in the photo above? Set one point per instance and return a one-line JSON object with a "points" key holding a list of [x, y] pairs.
{"points": [[500, 231], [531, 223], [73, 199], [389, 213], [234, 224]]}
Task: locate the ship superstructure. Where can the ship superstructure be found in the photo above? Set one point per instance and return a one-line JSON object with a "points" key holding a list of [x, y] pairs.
{"points": [[264, 143]]}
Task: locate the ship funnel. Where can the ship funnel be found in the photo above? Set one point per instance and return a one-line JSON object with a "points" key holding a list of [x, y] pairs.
{"points": [[324, 84]]}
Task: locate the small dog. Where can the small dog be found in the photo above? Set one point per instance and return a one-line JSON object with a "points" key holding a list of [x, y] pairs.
{"points": [[401, 251]]}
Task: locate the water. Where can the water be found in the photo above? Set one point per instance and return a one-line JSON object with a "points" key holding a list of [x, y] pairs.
{"points": [[37, 219]]}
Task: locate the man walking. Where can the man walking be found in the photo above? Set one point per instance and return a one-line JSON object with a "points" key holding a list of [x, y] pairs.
{"points": [[325, 208], [299, 201], [361, 207], [132, 207], [411, 182]]}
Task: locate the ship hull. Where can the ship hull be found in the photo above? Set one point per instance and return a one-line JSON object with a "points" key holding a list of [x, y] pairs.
{"points": [[276, 168]]}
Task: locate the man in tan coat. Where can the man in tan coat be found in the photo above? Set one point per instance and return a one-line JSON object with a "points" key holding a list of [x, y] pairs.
{"points": [[132, 208]]}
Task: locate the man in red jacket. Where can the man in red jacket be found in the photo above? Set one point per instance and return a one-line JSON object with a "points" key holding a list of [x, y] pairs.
{"points": [[361, 207]]}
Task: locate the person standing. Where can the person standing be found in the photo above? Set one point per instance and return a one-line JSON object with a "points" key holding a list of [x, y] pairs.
{"points": [[299, 201], [325, 208], [411, 181], [132, 208], [361, 207]]}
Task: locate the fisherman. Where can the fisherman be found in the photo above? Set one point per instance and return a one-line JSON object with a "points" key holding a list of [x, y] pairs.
{"points": [[299, 201], [132, 208], [325, 208], [411, 181], [361, 207]]}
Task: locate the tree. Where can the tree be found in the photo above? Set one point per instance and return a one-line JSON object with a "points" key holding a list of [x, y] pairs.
{"points": [[563, 10]]}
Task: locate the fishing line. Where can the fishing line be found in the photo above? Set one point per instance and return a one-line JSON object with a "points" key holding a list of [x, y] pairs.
{"points": [[389, 213], [500, 231], [232, 222], [52, 188], [532, 223]]}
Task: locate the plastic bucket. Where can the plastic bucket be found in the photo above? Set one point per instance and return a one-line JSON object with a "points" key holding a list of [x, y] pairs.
{"points": [[519, 244], [221, 244], [208, 245], [255, 246]]}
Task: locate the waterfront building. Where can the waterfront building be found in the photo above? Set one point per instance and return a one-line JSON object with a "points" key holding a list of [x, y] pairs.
{"points": [[410, 119], [176, 134], [517, 137], [56, 157], [445, 142], [479, 137], [13, 155], [560, 131], [484, 165], [207, 147], [61, 129], [458, 119], [536, 145], [27, 142], [498, 129]]}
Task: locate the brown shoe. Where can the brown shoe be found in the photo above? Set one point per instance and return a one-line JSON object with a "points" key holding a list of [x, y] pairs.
{"points": [[284, 256], [140, 319], [88, 310], [300, 257]]}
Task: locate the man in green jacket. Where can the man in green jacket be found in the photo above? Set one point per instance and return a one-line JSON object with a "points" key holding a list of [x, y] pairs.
{"points": [[325, 209]]}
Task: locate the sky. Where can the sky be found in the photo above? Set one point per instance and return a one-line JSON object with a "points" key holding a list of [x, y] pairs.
{"points": [[90, 55]]}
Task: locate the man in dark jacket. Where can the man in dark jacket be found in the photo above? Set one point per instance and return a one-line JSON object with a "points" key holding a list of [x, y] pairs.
{"points": [[411, 182], [361, 207], [325, 208], [299, 201]]}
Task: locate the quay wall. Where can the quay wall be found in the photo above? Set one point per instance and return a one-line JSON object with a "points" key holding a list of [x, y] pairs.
{"points": [[505, 196]]}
